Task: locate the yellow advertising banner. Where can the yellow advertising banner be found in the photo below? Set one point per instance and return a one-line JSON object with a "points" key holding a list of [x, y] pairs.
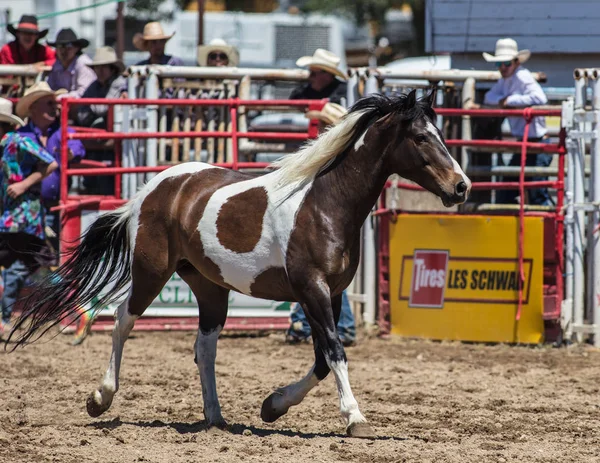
{"points": [[457, 277]]}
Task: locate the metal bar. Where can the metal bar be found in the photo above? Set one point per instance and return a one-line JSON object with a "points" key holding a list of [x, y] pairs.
{"points": [[493, 185], [152, 92], [213, 134], [64, 149], [146, 169], [541, 147], [496, 112], [234, 137], [468, 98], [21, 70], [511, 171], [231, 73], [595, 180], [455, 75]]}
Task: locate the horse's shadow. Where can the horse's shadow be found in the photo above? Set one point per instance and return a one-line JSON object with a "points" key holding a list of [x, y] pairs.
{"points": [[236, 429]]}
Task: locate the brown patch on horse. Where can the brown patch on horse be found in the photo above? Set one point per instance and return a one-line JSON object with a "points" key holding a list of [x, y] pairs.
{"points": [[243, 211], [187, 196]]}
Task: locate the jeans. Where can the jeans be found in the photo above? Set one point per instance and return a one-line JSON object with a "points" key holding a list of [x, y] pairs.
{"points": [[537, 196], [14, 278], [346, 326]]}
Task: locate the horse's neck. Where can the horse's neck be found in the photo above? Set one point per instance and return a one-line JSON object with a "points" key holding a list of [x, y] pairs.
{"points": [[355, 182]]}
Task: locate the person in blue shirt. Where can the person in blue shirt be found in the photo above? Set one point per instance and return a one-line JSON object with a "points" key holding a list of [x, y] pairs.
{"points": [[518, 89]]}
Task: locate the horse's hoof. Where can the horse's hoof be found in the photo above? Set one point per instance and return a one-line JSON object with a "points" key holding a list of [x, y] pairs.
{"points": [[268, 412], [361, 431], [94, 408]]}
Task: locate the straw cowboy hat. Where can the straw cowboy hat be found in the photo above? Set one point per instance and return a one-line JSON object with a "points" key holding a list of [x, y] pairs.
{"points": [[218, 45], [330, 114], [107, 55], [27, 23], [152, 31], [325, 60], [6, 113], [507, 50], [68, 36], [34, 93]]}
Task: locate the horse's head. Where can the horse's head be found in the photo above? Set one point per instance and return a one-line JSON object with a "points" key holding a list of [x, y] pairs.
{"points": [[417, 150]]}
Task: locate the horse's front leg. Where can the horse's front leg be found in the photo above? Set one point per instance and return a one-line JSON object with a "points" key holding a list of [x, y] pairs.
{"points": [[322, 314]]}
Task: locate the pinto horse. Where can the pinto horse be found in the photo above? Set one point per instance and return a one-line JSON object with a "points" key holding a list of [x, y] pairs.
{"points": [[289, 235]]}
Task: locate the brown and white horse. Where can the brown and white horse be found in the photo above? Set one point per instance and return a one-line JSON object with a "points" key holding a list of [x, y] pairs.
{"points": [[290, 235]]}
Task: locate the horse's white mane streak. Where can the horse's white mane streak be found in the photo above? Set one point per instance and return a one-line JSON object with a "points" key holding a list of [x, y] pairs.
{"points": [[304, 165]]}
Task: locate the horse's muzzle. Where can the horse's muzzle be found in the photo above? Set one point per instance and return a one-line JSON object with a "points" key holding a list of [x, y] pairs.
{"points": [[458, 196]]}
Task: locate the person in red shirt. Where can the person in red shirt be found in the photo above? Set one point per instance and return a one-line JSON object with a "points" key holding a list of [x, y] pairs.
{"points": [[26, 49]]}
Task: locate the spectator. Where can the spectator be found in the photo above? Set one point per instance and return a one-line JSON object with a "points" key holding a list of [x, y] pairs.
{"points": [[299, 330], [154, 40], [26, 49], [108, 84], [24, 164], [326, 79], [39, 104], [70, 70], [218, 54], [518, 89]]}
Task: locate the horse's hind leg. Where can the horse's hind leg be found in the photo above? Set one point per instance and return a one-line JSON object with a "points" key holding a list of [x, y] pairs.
{"points": [[212, 306], [146, 284]]}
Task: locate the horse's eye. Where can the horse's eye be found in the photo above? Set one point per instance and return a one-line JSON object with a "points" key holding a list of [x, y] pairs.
{"points": [[420, 138]]}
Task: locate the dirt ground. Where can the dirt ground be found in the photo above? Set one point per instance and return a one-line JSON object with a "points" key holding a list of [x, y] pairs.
{"points": [[427, 401]]}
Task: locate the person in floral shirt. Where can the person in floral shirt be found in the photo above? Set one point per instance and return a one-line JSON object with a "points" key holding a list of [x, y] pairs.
{"points": [[23, 164]]}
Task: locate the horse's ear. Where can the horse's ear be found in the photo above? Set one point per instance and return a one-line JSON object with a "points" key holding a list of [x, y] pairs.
{"points": [[430, 98], [411, 99]]}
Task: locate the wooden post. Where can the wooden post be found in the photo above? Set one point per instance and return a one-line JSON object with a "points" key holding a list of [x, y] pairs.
{"points": [[200, 22], [120, 30]]}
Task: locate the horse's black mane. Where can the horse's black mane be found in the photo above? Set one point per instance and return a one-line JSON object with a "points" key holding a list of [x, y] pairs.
{"points": [[406, 106]]}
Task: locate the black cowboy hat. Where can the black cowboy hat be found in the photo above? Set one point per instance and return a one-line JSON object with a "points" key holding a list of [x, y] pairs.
{"points": [[66, 36], [27, 23]]}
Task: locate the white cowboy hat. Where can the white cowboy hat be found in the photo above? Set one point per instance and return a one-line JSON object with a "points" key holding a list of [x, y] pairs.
{"points": [[507, 50], [6, 113], [107, 55], [218, 45], [34, 93], [330, 114], [325, 60], [152, 31]]}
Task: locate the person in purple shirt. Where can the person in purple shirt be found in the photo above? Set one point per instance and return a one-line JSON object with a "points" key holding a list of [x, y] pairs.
{"points": [[70, 71], [39, 105]]}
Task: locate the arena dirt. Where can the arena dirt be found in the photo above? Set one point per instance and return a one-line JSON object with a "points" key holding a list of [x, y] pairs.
{"points": [[427, 401]]}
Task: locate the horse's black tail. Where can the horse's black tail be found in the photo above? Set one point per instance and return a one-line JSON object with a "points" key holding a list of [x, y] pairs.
{"points": [[96, 273]]}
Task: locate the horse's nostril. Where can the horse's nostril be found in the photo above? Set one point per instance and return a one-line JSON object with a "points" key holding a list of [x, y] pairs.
{"points": [[461, 188]]}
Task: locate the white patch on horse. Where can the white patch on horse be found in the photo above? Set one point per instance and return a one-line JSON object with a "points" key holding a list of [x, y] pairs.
{"points": [[361, 141], [348, 404], [432, 129], [239, 270], [206, 352]]}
